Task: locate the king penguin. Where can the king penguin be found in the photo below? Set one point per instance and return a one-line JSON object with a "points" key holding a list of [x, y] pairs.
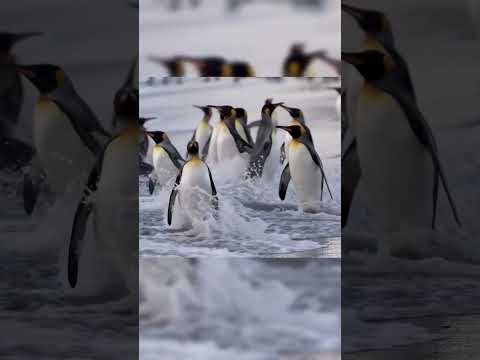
{"points": [[241, 119], [14, 153], [194, 188], [305, 169], [262, 163], [378, 36], [297, 118], [111, 195], [203, 132], [66, 132], [226, 143], [167, 161], [396, 148]]}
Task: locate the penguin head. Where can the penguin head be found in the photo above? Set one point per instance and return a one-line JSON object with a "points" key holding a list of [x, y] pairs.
{"points": [[192, 148], [371, 21], [226, 111], [45, 77], [157, 136], [295, 131], [297, 49], [143, 120], [241, 113], [269, 107], [8, 40], [125, 103], [371, 64], [207, 111], [295, 113]]}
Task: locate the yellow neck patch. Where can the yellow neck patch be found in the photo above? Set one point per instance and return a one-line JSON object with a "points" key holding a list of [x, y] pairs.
{"points": [[293, 69], [371, 93], [372, 44], [226, 70]]}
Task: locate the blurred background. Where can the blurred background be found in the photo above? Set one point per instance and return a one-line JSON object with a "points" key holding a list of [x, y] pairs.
{"points": [[259, 32], [236, 309]]}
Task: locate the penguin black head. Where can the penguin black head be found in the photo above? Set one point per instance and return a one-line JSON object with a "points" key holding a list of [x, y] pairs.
{"points": [[157, 136], [7, 40], [294, 130], [372, 64], [297, 49], [226, 111], [192, 148], [207, 111], [241, 113], [143, 120], [294, 112], [45, 77], [126, 102], [269, 107], [371, 21]]}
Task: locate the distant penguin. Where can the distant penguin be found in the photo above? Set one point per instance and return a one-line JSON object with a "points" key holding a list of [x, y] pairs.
{"points": [[66, 132], [14, 153], [111, 195], [226, 143], [305, 169], [241, 69], [194, 188], [298, 61], [396, 148], [210, 66], [261, 163], [173, 65], [167, 161], [203, 132]]}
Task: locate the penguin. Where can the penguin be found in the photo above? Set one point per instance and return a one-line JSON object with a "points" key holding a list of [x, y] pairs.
{"points": [[396, 147], [14, 153], [194, 186], [67, 134], [210, 66], [111, 196], [174, 65], [226, 143], [131, 81], [305, 169], [203, 132], [260, 159], [378, 36], [241, 119], [298, 61], [297, 118], [167, 161], [241, 69]]}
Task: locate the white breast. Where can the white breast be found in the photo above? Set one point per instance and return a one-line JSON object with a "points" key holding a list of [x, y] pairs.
{"points": [[226, 147], [62, 153], [395, 166], [202, 135], [305, 174]]}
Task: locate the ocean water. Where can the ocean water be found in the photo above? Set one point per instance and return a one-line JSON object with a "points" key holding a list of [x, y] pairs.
{"points": [[253, 220], [239, 308]]}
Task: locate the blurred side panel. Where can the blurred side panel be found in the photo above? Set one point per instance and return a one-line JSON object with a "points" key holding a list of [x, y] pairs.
{"points": [[63, 291]]}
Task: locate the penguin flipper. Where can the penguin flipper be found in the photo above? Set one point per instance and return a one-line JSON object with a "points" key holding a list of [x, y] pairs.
{"points": [[30, 194], [173, 153], [242, 145], [254, 123], [395, 86], [76, 238], [283, 153], [151, 184], [191, 139], [214, 190], [14, 153], [351, 174], [145, 168], [247, 133], [173, 196], [316, 159], [206, 147], [284, 181]]}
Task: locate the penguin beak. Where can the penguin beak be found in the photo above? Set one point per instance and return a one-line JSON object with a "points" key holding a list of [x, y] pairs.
{"points": [[354, 59], [205, 109], [356, 13], [286, 108], [286, 128], [143, 120]]}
